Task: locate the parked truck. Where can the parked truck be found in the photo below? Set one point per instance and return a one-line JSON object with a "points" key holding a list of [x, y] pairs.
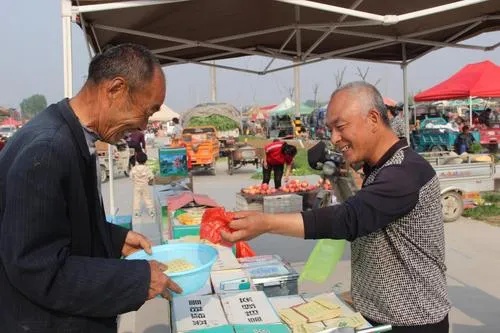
{"points": [[459, 175], [225, 118]]}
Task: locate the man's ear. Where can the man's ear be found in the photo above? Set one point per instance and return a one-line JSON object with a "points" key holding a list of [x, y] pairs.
{"points": [[374, 119], [116, 87]]}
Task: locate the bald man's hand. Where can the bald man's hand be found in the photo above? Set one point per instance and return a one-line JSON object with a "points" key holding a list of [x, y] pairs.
{"points": [[250, 224]]}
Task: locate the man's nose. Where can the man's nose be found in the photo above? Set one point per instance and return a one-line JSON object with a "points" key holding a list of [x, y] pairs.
{"points": [[335, 138]]}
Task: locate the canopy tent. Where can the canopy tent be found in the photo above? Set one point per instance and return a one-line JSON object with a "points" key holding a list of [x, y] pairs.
{"points": [[260, 112], [284, 105], [165, 114], [479, 80], [10, 122], [304, 110], [295, 30], [367, 30]]}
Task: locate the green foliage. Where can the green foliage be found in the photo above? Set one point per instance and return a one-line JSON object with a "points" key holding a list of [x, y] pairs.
{"points": [[476, 148], [32, 105], [483, 212], [492, 197], [221, 123]]}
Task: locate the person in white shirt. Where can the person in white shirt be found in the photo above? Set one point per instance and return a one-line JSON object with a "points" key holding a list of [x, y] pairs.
{"points": [[176, 132], [142, 176]]}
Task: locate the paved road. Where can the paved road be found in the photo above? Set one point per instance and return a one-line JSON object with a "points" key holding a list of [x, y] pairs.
{"points": [[472, 253]]}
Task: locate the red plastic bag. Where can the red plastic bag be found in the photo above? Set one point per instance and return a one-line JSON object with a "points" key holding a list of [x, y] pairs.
{"points": [[243, 250], [213, 221]]}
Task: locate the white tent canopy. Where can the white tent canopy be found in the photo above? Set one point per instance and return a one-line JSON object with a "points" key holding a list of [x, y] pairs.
{"points": [[165, 114], [284, 105]]}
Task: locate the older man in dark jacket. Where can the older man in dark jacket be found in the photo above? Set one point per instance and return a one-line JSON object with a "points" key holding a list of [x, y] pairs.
{"points": [[60, 266]]}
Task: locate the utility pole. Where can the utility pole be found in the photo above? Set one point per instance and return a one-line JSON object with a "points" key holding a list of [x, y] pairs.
{"points": [[213, 81]]}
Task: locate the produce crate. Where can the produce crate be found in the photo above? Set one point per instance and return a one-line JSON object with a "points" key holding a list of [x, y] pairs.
{"points": [[249, 203], [287, 203]]}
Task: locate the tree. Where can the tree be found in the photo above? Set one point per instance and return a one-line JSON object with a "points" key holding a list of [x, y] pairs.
{"points": [[32, 105], [364, 74], [315, 92], [411, 98], [339, 77]]}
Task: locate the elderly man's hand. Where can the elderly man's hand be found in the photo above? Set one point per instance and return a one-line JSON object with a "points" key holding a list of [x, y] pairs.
{"points": [[246, 225], [160, 283], [135, 242]]}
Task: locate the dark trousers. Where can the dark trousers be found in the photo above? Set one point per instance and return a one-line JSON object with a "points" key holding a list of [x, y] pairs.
{"points": [[441, 327], [278, 174]]}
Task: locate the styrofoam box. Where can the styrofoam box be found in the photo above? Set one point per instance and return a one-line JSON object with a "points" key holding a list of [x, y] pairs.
{"points": [[286, 203], [243, 203]]}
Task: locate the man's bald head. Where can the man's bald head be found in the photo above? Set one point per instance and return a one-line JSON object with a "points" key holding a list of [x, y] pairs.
{"points": [[367, 95]]}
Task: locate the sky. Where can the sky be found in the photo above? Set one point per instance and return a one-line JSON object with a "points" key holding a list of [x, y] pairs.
{"points": [[31, 63]]}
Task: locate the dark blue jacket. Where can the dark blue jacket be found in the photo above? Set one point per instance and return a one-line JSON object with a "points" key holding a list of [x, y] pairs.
{"points": [[59, 259]]}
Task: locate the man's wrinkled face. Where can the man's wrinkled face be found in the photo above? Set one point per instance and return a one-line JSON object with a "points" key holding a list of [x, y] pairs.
{"points": [[351, 126], [130, 110]]}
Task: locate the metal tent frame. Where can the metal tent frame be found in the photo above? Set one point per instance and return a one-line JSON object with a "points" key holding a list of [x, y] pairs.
{"points": [[362, 30]]}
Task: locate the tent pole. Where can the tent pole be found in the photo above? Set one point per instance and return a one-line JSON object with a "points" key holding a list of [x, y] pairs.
{"points": [[66, 39], [470, 112], [404, 67], [68, 89], [296, 76], [213, 82]]}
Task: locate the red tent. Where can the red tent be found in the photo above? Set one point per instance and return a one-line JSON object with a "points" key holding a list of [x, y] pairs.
{"points": [[262, 112], [10, 121], [478, 80]]}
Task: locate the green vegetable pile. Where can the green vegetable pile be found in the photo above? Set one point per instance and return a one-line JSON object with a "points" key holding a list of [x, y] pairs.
{"points": [[220, 123]]}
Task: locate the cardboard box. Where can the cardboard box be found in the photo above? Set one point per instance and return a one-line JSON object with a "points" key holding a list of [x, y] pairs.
{"points": [[249, 308], [268, 328], [193, 312], [173, 162], [226, 260]]}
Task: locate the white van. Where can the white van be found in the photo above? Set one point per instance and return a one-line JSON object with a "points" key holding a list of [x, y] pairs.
{"points": [[7, 130]]}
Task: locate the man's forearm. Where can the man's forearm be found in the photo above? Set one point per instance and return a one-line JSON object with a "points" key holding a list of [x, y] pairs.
{"points": [[286, 224]]}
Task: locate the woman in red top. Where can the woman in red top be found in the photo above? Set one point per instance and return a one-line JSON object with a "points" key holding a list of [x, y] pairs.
{"points": [[278, 153]]}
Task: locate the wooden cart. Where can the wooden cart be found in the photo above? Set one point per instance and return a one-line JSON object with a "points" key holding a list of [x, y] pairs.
{"points": [[241, 155]]}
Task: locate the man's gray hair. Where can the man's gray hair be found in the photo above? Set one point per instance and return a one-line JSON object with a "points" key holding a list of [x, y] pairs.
{"points": [[368, 95], [135, 63]]}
